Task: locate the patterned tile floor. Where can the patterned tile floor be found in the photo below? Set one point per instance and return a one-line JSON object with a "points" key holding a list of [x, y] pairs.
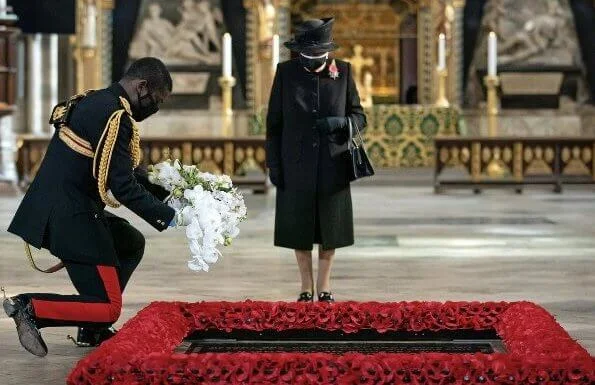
{"points": [[411, 245]]}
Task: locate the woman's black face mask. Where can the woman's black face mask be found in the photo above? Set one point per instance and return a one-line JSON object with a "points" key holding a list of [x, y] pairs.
{"points": [[313, 63], [145, 107]]}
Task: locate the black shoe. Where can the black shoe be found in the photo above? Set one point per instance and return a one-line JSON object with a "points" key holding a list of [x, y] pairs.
{"points": [[306, 296], [91, 337], [326, 296], [20, 310]]}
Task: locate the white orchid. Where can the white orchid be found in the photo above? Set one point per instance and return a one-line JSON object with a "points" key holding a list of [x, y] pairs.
{"points": [[207, 204]]}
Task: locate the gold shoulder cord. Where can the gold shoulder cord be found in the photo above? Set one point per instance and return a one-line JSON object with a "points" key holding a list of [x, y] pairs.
{"points": [[109, 137]]}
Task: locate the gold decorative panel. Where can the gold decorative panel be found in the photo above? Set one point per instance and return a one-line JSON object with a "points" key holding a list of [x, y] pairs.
{"points": [[402, 136]]}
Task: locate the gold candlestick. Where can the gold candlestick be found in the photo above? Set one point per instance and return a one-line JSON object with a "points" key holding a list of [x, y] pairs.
{"points": [[492, 83], [227, 83], [442, 101], [495, 168]]}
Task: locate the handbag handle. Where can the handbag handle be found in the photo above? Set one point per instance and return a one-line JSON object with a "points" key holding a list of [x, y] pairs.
{"points": [[352, 141]]}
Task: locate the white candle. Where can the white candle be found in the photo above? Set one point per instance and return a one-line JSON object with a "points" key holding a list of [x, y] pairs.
{"points": [[441, 52], [90, 28], [2, 8], [492, 54], [226, 55], [275, 55]]}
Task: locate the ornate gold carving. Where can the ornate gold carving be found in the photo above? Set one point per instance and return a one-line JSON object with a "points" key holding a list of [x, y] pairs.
{"points": [[444, 155], [176, 153], [229, 162], [574, 163], [549, 154], [496, 167], [218, 155], [565, 154], [575, 167], [165, 153], [528, 155], [260, 154], [507, 154], [197, 155], [486, 154], [240, 155], [203, 152], [465, 155], [475, 161], [454, 151], [518, 161], [208, 164], [536, 160], [587, 155], [187, 153], [250, 165], [155, 155]]}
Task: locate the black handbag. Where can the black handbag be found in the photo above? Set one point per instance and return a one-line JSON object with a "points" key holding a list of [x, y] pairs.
{"points": [[360, 166]]}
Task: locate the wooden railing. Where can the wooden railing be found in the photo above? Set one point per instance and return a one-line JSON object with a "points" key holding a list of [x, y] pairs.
{"points": [[514, 161], [241, 158]]}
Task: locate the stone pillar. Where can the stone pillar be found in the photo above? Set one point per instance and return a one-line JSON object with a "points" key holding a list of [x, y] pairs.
{"points": [[53, 70], [50, 76], [8, 171], [259, 76], [106, 22], [426, 52], [455, 73], [35, 107], [8, 87]]}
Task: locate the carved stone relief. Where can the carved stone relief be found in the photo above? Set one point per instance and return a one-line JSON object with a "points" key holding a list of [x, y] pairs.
{"points": [[179, 32]]}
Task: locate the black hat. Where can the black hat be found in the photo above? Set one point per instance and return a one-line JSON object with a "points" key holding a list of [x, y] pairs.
{"points": [[313, 37]]}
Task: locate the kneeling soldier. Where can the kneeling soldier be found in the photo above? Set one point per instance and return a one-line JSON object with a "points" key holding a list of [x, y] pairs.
{"points": [[95, 149]]}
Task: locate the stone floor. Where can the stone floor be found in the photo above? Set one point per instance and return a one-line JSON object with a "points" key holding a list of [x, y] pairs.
{"points": [[411, 245]]}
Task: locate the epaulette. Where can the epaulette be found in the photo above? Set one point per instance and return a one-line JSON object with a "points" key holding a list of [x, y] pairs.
{"points": [[62, 111]]}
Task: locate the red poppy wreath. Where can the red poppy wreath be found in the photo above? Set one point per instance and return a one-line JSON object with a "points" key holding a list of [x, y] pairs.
{"points": [[538, 350]]}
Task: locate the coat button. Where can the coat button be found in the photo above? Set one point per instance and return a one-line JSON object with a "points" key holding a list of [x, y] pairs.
{"points": [[96, 216], [315, 111], [315, 144]]}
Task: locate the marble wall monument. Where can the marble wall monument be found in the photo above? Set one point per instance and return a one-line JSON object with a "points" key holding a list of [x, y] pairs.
{"points": [[531, 34], [186, 35]]}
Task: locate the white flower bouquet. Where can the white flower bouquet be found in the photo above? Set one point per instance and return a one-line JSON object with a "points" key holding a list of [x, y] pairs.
{"points": [[208, 205]]}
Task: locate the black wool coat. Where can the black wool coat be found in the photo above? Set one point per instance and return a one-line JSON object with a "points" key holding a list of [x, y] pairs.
{"points": [[313, 195], [62, 210]]}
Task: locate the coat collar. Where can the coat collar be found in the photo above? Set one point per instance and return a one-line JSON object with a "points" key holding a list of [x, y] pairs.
{"points": [[118, 90]]}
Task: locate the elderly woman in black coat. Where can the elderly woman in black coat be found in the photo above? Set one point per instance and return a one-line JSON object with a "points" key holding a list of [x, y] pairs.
{"points": [[313, 102]]}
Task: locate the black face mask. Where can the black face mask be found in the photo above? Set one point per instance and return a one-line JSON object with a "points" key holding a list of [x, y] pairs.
{"points": [[143, 110], [312, 64]]}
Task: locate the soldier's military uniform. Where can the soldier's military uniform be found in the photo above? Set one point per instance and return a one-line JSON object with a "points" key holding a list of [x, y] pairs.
{"points": [[94, 149]]}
